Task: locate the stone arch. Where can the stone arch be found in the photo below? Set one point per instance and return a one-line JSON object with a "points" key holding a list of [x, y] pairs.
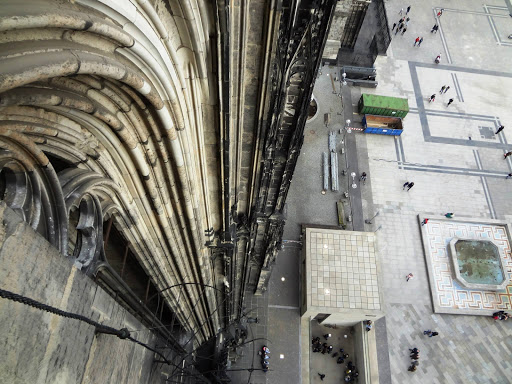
{"points": [[103, 87]]}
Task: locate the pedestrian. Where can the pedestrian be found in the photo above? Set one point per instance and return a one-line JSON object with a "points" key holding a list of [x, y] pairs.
{"points": [[340, 360], [405, 185], [427, 332], [501, 128], [446, 89], [415, 357], [434, 28], [401, 11], [425, 221], [440, 13], [409, 277], [449, 102], [321, 376], [421, 41], [508, 176], [414, 350], [442, 89], [408, 9], [411, 184], [432, 334], [449, 215], [398, 29], [407, 21], [400, 26], [507, 154], [412, 368], [335, 354], [403, 30], [327, 335], [369, 326], [432, 98], [363, 177], [394, 25], [415, 363], [416, 41]]}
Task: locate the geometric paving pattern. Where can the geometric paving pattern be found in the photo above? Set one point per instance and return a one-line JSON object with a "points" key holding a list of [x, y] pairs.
{"points": [[448, 295], [343, 269]]}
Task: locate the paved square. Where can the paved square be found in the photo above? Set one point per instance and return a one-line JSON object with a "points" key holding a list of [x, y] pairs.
{"points": [[455, 158], [448, 295]]}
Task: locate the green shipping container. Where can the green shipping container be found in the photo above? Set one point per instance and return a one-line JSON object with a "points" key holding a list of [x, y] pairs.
{"points": [[383, 105]]}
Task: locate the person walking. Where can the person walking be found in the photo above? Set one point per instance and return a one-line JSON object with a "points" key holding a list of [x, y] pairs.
{"points": [[403, 30], [414, 350], [394, 25], [509, 176], [507, 154], [440, 13], [449, 215], [501, 128], [442, 89], [398, 28], [363, 177], [425, 221], [407, 21], [321, 376], [412, 368], [369, 326], [409, 276], [416, 41], [449, 102], [427, 332], [421, 41], [327, 335], [411, 184], [432, 98], [408, 10], [434, 28], [401, 11], [446, 89], [405, 185]]}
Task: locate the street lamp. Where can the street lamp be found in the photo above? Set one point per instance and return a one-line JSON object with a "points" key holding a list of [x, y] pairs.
{"points": [[354, 185], [369, 221], [346, 130]]}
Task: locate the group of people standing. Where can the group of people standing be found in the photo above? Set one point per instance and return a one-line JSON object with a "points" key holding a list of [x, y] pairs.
{"points": [[415, 356], [351, 372], [501, 315], [402, 24]]}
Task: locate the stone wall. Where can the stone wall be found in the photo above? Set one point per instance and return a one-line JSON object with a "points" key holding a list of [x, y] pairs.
{"points": [[38, 347], [339, 19]]}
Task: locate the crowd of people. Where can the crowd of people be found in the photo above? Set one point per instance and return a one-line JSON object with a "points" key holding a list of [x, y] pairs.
{"points": [[350, 371]]}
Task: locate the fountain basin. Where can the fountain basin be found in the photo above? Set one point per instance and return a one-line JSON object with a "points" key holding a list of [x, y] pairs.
{"points": [[478, 264]]}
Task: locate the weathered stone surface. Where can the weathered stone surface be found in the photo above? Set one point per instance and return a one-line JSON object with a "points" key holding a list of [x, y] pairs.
{"points": [[44, 348]]}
